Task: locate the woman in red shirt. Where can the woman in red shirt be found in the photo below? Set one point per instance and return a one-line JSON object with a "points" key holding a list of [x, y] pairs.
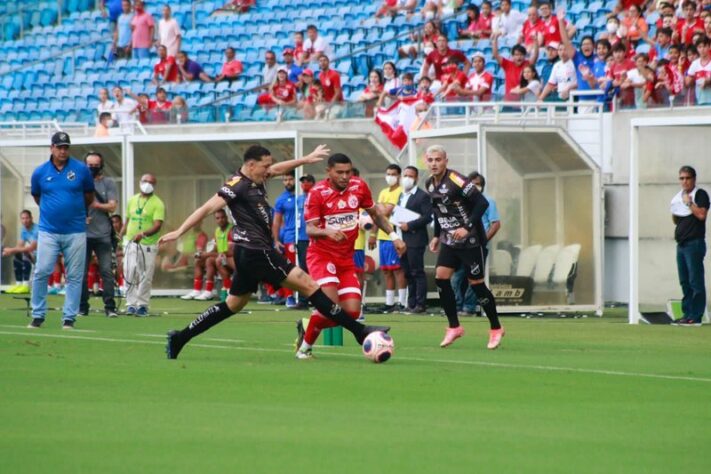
{"points": [[479, 22], [283, 92], [372, 92]]}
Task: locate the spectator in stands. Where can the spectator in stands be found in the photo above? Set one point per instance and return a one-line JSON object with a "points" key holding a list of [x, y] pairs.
{"points": [[667, 16], [563, 77], [142, 27], [513, 68], [316, 46], [614, 34], [421, 41], [551, 24], [689, 210], [664, 90], [660, 46], [551, 59], [453, 81], [112, 9], [179, 111], [532, 29], [165, 70], [99, 233], [420, 122], [239, 6], [141, 110], [293, 70], [635, 27], [124, 108], [232, 67], [299, 47], [331, 82], [414, 234], [105, 105], [584, 60], [699, 73], [372, 92], [440, 8], [269, 73], [507, 22], [480, 83], [105, 123], [307, 93], [63, 188], [159, 109], [529, 86], [438, 58], [406, 89], [391, 77], [617, 73], [122, 32], [392, 8], [283, 91], [169, 32], [190, 70], [641, 81], [424, 93], [478, 22], [144, 220], [690, 24], [24, 254], [320, 106]]}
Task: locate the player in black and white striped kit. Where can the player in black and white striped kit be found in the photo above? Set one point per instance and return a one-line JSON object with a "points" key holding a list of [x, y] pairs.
{"points": [[460, 239]]}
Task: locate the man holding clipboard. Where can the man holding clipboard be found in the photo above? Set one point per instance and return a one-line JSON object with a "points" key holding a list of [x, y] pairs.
{"points": [[411, 216]]}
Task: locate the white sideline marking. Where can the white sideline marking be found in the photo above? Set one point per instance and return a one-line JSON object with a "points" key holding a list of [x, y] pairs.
{"points": [[544, 368], [25, 327], [162, 336]]}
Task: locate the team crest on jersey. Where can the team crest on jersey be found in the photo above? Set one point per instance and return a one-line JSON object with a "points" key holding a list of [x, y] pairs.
{"points": [[341, 204], [329, 205], [352, 201], [234, 181], [456, 179], [443, 189], [431, 188], [331, 268], [71, 176]]}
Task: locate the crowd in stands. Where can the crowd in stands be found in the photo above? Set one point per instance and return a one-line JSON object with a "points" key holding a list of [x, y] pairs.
{"points": [[652, 53]]}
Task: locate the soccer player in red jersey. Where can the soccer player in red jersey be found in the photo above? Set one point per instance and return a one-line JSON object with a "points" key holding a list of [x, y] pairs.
{"points": [[331, 213]]}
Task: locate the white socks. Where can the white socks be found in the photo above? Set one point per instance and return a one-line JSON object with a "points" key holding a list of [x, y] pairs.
{"points": [[402, 296], [389, 297]]}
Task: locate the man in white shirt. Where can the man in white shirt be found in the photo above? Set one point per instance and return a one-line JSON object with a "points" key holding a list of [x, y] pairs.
{"points": [[563, 76], [270, 69], [315, 46], [169, 32], [124, 109], [508, 22], [105, 105]]}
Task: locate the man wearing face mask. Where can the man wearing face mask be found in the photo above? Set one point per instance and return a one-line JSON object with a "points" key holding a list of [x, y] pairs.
{"points": [[284, 229], [389, 259], [99, 231], [144, 219], [414, 234]]}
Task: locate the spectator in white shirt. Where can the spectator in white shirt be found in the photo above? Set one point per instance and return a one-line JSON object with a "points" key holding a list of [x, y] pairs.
{"points": [[530, 85], [169, 32], [315, 46], [563, 76], [508, 22], [105, 105], [269, 71], [124, 108]]}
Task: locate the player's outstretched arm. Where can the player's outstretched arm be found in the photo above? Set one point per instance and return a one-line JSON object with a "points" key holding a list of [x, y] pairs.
{"points": [[284, 167], [212, 205], [382, 223]]}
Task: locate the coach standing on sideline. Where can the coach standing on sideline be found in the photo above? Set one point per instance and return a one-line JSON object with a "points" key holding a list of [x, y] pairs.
{"points": [[145, 216], [63, 188], [414, 234], [689, 209], [99, 233]]}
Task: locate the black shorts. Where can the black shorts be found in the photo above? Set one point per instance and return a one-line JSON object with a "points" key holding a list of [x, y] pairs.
{"points": [[255, 266], [473, 259]]}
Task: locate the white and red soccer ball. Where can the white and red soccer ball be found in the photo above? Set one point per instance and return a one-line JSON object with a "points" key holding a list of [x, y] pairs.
{"points": [[378, 347]]}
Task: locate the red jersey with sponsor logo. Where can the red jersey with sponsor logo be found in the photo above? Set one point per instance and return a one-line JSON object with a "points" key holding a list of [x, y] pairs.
{"points": [[551, 30], [530, 31], [285, 92], [337, 210]]}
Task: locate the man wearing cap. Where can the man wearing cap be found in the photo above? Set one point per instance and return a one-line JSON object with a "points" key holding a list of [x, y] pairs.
{"points": [[292, 69], [563, 76], [63, 188], [232, 67], [551, 60], [480, 83]]}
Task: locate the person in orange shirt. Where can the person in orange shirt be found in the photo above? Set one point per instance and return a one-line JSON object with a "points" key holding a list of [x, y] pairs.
{"points": [[635, 26]]}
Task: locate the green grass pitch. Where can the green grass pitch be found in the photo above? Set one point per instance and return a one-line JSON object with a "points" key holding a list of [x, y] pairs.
{"points": [[590, 395]]}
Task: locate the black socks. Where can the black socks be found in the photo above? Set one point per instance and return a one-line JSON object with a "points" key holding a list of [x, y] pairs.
{"points": [[486, 300], [332, 311], [448, 301], [211, 316]]}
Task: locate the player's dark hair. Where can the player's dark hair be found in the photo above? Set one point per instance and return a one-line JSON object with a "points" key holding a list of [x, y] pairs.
{"points": [[394, 167], [476, 175], [703, 40], [255, 153], [519, 48], [356, 171], [338, 159], [417, 172], [619, 47], [665, 31], [688, 169], [26, 211]]}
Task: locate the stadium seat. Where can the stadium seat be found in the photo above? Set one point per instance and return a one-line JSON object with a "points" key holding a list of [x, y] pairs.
{"points": [[501, 263], [544, 264], [527, 260]]}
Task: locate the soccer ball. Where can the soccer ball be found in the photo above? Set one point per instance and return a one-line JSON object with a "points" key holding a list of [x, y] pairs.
{"points": [[378, 347]]}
